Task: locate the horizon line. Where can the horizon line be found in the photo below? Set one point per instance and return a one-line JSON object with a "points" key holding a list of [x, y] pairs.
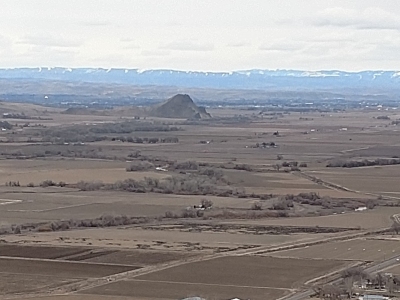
{"points": [[141, 70]]}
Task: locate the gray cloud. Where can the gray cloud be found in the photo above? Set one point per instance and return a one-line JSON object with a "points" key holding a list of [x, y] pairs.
{"points": [[49, 41], [187, 45], [370, 18], [238, 44], [156, 52], [95, 23], [129, 43], [282, 46], [4, 41]]}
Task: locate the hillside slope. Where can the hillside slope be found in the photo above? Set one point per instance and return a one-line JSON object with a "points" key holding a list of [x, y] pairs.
{"points": [[180, 106]]}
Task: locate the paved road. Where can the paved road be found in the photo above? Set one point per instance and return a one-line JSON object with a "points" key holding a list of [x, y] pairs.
{"points": [[372, 269]]}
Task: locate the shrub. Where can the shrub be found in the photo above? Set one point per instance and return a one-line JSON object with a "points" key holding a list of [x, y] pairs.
{"points": [[187, 165], [170, 215], [89, 186], [141, 166], [17, 230], [45, 228], [363, 163], [279, 206], [370, 204], [243, 167], [189, 213], [47, 183], [206, 203], [256, 206]]}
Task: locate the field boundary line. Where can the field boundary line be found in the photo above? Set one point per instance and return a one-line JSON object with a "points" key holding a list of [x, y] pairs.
{"points": [[213, 284], [67, 262], [337, 187], [313, 243]]}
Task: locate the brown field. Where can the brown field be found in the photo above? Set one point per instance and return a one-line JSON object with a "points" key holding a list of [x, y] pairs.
{"points": [[357, 249], [37, 204], [137, 289], [59, 268], [215, 255], [370, 219], [131, 257], [69, 171], [377, 179], [260, 271], [394, 270], [159, 240], [23, 283], [280, 183], [222, 278], [48, 252], [88, 297], [140, 257]]}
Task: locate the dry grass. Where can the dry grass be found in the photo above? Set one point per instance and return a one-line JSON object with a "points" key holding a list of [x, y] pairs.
{"points": [[59, 268], [135, 289], [372, 219], [88, 297], [230, 143], [25, 283], [260, 272], [376, 179], [358, 249], [159, 240], [394, 270], [69, 171]]}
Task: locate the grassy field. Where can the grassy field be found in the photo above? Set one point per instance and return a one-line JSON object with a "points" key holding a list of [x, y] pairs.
{"points": [[135, 289], [68, 171], [47, 252], [160, 240], [370, 219], [377, 179], [40, 205], [394, 270], [25, 283], [358, 249], [265, 278], [59, 268], [89, 297], [261, 271]]}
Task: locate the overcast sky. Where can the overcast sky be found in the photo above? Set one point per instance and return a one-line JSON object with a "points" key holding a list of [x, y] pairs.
{"points": [[208, 35]]}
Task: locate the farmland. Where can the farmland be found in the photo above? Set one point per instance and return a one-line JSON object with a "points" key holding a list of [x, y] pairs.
{"points": [[210, 278], [357, 250], [114, 207]]}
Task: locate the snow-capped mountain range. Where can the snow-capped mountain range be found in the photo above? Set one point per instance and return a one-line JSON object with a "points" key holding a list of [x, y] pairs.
{"points": [[247, 79]]}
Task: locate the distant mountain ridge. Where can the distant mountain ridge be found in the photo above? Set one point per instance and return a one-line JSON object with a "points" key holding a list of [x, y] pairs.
{"points": [[247, 79]]}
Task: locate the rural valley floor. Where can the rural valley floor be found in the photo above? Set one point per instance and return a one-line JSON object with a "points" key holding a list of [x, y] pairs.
{"points": [[242, 205]]}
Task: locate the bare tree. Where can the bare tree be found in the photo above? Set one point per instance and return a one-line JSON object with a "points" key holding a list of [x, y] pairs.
{"points": [[256, 206], [380, 280], [396, 227], [390, 285], [331, 292], [349, 284], [277, 167]]}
